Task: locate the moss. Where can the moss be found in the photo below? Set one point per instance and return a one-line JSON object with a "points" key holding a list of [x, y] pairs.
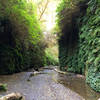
{"points": [[3, 87]]}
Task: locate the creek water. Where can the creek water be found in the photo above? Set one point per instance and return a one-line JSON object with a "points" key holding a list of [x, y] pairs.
{"points": [[49, 85]]}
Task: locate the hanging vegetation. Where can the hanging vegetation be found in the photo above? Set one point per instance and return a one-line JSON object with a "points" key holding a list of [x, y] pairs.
{"points": [[21, 44], [79, 39], [68, 13]]}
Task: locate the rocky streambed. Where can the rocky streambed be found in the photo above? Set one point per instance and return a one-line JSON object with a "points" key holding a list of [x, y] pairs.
{"points": [[49, 85]]}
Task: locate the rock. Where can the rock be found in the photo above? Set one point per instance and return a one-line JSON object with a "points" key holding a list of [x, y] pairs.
{"points": [[28, 80], [34, 73], [13, 96], [36, 69]]}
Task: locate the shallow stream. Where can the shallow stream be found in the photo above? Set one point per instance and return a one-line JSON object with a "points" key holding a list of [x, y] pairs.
{"points": [[49, 85]]}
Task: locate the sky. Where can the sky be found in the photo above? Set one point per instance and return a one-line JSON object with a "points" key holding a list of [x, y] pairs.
{"points": [[49, 16]]}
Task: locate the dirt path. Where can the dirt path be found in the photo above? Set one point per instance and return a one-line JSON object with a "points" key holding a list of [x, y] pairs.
{"points": [[48, 86]]}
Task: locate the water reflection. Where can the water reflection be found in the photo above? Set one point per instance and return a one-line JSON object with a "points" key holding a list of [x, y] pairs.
{"points": [[77, 84], [40, 83]]}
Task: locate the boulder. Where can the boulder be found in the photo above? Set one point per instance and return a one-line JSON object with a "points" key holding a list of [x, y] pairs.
{"points": [[13, 96]]}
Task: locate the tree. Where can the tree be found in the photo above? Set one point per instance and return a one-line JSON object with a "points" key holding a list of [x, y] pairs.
{"points": [[42, 8]]}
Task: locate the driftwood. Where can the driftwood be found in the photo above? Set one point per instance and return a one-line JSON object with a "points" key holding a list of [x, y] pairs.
{"points": [[13, 96], [59, 71]]}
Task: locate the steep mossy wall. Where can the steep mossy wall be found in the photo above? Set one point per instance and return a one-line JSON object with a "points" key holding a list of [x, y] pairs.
{"points": [[68, 13], [90, 44], [21, 44], [79, 46]]}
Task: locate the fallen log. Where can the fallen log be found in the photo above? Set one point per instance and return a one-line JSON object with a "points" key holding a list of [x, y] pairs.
{"points": [[13, 96], [59, 71]]}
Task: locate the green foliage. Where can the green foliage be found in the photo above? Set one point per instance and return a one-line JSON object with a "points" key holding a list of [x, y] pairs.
{"points": [[93, 78], [3, 87], [51, 57], [20, 37], [92, 45], [11, 60], [84, 58]]}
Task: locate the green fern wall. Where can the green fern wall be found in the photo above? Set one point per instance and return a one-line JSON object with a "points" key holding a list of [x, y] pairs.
{"points": [[90, 44], [81, 55]]}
